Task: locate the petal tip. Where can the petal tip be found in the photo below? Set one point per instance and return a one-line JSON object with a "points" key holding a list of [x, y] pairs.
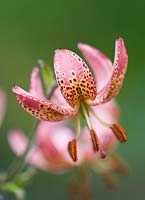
{"points": [[121, 46], [14, 89], [35, 70], [56, 50], [80, 44], [17, 90]]}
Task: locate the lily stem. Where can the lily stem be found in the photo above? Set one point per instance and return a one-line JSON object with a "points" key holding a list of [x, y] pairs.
{"points": [[19, 163]]}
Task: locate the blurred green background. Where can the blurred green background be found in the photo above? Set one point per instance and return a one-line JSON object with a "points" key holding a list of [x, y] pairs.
{"points": [[30, 30]]}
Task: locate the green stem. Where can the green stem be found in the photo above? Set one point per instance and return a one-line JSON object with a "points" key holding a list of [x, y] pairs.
{"points": [[18, 164]]}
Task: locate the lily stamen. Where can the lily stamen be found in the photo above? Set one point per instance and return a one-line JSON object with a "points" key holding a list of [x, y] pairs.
{"points": [[118, 130], [95, 140], [94, 137], [85, 115], [77, 126], [72, 145], [72, 149]]}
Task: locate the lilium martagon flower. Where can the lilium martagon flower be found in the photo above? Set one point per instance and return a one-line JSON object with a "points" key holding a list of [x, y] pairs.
{"points": [[82, 88]]}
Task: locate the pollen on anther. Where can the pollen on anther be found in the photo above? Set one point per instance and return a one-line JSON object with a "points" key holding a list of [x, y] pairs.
{"points": [[95, 140], [119, 132], [72, 149]]}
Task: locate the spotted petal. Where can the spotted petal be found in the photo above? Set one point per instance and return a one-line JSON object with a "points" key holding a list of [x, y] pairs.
{"points": [[99, 63], [119, 69], [74, 77], [57, 98], [40, 107]]}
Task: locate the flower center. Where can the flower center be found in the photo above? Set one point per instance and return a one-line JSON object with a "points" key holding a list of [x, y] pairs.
{"points": [[83, 113], [93, 135], [72, 146]]}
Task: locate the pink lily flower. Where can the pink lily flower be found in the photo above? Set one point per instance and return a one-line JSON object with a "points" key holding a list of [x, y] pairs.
{"points": [[84, 92], [49, 150], [2, 105]]}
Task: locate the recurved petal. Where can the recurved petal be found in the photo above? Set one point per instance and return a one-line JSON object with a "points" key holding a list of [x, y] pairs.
{"points": [[119, 69], [74, 77], [18, 141], [100, 64], [35, 84], [42, 108]]}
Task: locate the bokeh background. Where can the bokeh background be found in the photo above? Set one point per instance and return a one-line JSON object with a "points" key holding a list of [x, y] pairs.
{"points": [[33, 29]]}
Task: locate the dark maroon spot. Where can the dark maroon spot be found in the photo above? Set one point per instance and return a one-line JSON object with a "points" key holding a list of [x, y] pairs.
{"points": [[84, 65], [82, 85], [73, 73], [83, 81]]}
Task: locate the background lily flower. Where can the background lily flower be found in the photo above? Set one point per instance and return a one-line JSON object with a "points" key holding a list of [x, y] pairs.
{"points": [[49, 149], [2, 105], [78, 87]]}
